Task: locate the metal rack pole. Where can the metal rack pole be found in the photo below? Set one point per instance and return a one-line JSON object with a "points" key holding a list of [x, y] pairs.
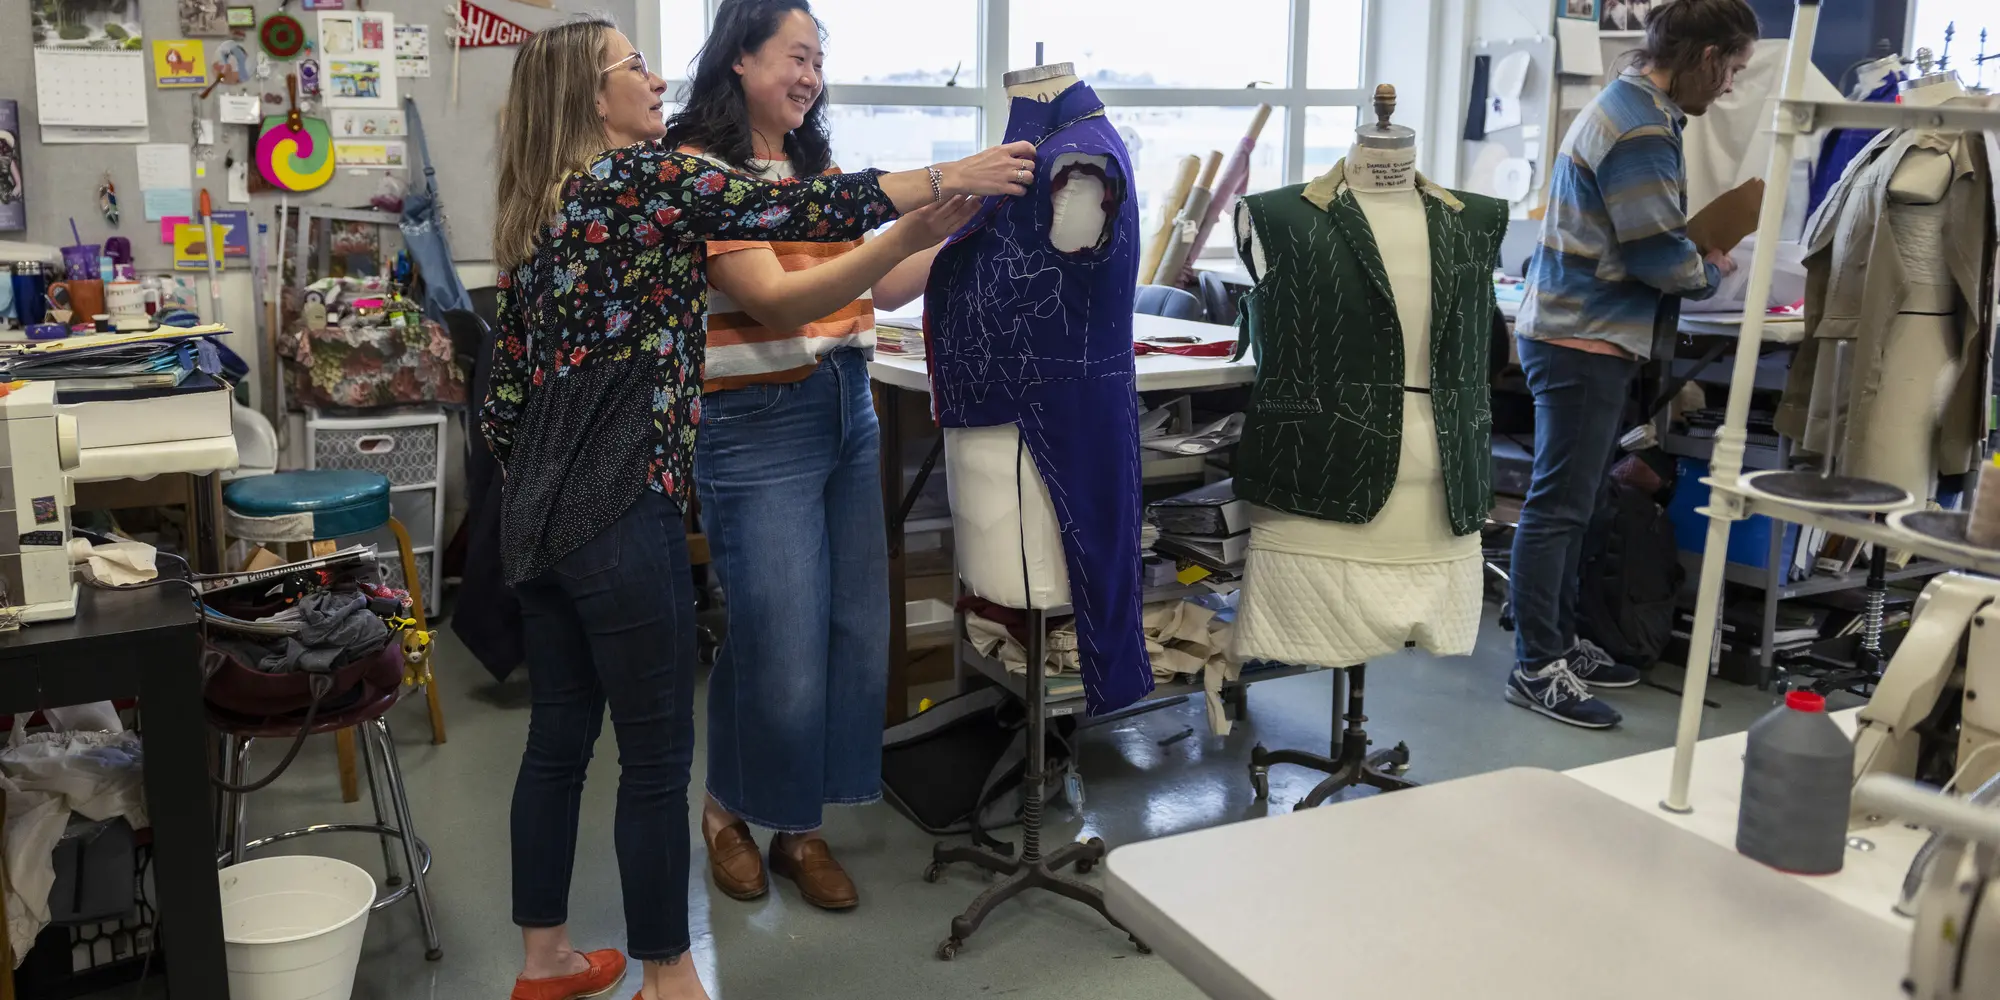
{"points": [[1726, 464]]}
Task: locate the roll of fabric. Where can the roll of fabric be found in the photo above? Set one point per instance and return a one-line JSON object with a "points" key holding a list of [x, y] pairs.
{"points": [[1233, 184], [1180, 242], [1170, 214]]}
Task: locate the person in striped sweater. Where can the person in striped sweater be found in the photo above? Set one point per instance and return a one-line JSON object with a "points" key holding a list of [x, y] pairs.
{"points": [[1604, 287], [787, 468]]}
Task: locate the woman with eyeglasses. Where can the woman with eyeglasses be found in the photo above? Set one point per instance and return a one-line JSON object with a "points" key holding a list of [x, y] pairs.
{"points": [[788, 468], [592, 413]]}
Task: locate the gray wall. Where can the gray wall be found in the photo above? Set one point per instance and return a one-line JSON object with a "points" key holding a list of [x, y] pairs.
{"points": [[62, 179]]}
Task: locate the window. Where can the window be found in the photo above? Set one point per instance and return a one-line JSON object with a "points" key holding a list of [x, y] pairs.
{"points": [[683, 25], [1329, 132], [1158, 138], [913, 82], [900, 137], [1156, 43], [901, 42], [1927, 24]]}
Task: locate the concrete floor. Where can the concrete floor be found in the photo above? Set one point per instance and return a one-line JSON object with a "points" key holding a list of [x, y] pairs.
{"points": [[1449, 711]]}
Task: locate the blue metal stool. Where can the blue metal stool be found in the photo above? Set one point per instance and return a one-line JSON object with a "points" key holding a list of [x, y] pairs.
{"points": [[315, 506]]}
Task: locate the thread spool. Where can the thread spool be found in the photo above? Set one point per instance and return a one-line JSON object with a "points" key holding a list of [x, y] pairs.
{"points": [[1983, 527]]}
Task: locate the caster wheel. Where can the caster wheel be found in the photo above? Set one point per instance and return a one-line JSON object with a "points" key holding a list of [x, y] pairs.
{"points": [[934, 873], [1084, 866], [1260, 782], [948, 949], [1141, 945], [393, 880], [433, 955]]}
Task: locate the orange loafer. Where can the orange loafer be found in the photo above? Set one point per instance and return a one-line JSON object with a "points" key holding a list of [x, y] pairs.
{"points": [[607, 970]]}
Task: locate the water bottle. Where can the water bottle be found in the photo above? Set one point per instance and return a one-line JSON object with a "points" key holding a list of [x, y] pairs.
{"points": [[1798, 775]]}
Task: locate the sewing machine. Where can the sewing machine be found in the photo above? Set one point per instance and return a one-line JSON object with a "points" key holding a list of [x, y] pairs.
{"points": [[37, 448], [1906, 729], [1955, 941]]}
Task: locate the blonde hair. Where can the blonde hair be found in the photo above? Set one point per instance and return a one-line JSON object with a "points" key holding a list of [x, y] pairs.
{"points": [[549, 129]]}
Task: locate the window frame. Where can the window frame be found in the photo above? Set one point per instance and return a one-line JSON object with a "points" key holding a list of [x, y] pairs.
{"points": [[988, 93]]}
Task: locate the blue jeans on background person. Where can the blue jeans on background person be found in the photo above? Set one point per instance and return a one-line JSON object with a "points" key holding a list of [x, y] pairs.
{"points": [[1579, 405], [789, 477], [612, 622]]}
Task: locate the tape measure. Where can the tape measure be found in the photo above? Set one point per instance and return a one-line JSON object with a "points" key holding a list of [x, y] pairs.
{"points": [[282, 36]]}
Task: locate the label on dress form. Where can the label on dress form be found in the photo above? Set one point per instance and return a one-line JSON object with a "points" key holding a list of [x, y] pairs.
{"points": [[1381, 169]]}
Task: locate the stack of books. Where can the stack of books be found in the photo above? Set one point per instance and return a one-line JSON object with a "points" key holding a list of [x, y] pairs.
{"points": [[899, 338], [1206, 528]]}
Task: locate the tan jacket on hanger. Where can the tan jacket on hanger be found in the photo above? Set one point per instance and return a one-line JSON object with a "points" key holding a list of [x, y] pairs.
{"points": [[1856, 283]]}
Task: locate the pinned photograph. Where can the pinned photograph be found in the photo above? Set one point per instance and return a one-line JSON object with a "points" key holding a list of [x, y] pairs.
{"points": [[1624, 17], [204, 18], [1580, 10], [87, 24]]}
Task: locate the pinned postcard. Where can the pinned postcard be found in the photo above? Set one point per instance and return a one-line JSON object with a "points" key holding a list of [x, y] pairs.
{"points": [[179, 62]]}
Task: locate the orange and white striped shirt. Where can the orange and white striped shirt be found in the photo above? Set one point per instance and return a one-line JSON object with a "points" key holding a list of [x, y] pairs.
{"points": [[742, 351]]}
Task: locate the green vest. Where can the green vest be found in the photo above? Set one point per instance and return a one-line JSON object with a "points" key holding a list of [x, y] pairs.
{"points": [[1323, 435]]}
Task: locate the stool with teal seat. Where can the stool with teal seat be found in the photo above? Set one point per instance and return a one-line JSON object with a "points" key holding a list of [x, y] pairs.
{"points": [[314, 507]]}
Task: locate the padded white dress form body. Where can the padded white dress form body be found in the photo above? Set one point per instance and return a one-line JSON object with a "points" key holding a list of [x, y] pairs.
{"points": [[993, 533], [1330, 594]]}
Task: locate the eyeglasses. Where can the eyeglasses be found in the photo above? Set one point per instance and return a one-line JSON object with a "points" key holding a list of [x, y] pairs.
{"points": [[639, 56]]}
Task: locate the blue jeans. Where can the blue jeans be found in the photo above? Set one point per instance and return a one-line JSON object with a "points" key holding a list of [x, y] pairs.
{"points": [[791, 498], [612, 622], [1579, 404]]}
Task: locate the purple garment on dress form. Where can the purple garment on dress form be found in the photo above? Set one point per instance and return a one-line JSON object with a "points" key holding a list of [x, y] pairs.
{"points": [[1021, 333]]}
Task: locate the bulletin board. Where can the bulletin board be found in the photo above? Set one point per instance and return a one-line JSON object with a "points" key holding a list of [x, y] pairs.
{"points": [[1511, 161], [61, 180]]}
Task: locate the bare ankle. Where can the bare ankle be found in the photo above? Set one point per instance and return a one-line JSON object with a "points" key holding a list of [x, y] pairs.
{"points": [[673, 979]]}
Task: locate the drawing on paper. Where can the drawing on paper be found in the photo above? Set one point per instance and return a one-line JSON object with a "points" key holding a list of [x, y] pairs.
{"points": [[371, 33], [352, 124], [204, 18], [369, 154], [87, 24], [354, 79], [336, 35]]}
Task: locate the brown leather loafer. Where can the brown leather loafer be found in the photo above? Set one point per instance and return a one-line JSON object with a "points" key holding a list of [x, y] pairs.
{"points": [[734, 862], [821, 879]]}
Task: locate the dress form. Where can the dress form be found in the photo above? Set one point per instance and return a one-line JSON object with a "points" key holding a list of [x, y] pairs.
{"points": [[1409, 547], [1009, 547], [1924, 358]]}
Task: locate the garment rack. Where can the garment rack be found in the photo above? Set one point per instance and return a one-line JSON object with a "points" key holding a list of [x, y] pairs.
{"points": [[1730, 499]]}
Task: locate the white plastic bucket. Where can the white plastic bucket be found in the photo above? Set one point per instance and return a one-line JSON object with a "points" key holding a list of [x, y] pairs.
{"points": [[292, 927]]}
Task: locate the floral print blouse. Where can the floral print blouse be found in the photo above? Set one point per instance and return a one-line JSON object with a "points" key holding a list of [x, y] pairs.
{"points": [[596, 371]]}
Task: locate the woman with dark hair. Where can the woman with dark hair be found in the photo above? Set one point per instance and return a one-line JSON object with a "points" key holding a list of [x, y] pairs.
{"points": [[787, 467], [592, 413], [1604, 286]]}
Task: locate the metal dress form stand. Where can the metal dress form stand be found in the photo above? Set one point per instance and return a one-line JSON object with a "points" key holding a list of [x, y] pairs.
{"points": [[1735, 496], [1351, 764], [1030, 870]]}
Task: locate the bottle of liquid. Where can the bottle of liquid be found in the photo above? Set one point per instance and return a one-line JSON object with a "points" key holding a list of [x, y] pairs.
{"points": [[1798, 775]]}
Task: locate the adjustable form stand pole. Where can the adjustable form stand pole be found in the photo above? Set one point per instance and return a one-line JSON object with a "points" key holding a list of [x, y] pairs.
{"points": [[1353, 765], [1030, 870]]}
